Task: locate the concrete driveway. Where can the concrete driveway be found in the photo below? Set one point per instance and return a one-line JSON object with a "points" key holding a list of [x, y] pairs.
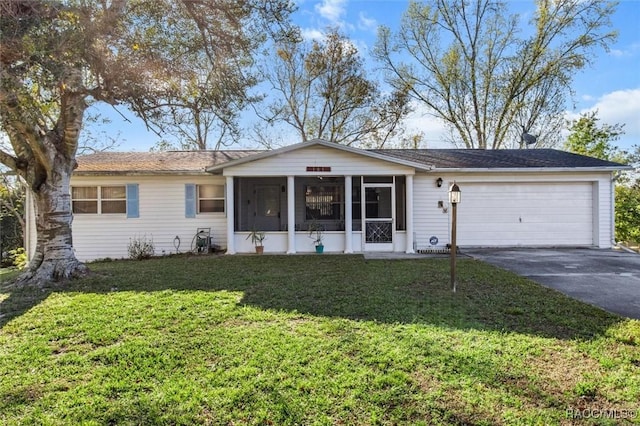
{"points": [[605, 278]]}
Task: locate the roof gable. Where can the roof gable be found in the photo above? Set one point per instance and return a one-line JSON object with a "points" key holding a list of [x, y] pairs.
{"points": [[320, 142]]}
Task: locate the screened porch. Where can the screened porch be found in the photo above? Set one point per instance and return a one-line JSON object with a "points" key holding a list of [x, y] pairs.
{"points": [[341, 206]]}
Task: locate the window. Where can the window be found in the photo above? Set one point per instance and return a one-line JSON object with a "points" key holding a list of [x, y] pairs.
{"points": [[324, 202], [210, 198], [99, 199], [113, 199], [84, 199]]}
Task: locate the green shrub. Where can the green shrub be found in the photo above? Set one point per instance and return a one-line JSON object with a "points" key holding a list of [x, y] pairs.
{"points": [[18, 258], [140, 248], [628, 213]]}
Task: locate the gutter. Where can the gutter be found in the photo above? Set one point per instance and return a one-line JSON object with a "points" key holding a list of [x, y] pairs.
{"points": [[527, 169], [142, 173], [613, 180]]}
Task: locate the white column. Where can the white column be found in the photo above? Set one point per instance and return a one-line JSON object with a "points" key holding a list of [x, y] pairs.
{"points": [[291, 215], [409, 212], [231, 246], [348, 215]]}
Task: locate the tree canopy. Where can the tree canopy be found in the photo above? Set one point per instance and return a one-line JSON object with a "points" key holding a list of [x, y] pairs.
{"points": [[588, 138], [58, 56], [321, 89], [486, 74]]}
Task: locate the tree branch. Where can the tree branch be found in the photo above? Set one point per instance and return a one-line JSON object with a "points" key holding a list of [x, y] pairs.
{"points": [[9, 160]]}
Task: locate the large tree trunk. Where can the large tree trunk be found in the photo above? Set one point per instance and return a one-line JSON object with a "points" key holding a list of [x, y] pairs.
{"points": [[54, 258], [49, 160]]}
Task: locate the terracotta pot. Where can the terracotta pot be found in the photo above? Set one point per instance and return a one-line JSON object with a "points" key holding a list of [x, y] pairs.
{"points": [[259, 249]]}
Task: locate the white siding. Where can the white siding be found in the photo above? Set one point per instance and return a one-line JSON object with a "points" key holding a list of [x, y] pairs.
{"points": [[162, 218], [429, 220], [295, 163], [603, 210]]}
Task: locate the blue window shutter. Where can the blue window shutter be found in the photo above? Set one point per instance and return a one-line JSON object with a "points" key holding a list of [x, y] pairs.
{"points": [[189, 200], [133, 203]]}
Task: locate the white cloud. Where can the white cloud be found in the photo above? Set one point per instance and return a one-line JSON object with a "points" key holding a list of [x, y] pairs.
{"points": [[366, 23], [628, 51], [432, 129], [618, 107], [312, 34], [328, 13], [332, 10]]}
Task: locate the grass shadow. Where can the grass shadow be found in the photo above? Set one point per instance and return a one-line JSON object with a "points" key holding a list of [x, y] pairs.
{"points": [[16, 300], [388, 291]]}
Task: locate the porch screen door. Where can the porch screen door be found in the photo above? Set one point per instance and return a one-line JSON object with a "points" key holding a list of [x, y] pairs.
{"points": [[378, 213], [267, 207]]}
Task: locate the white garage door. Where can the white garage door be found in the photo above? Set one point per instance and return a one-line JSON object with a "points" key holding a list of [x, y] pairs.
{"points": [[526, 214]]}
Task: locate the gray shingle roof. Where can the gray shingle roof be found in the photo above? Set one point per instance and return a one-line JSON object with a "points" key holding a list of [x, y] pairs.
{"points": [[498, 159], [195, 162]]}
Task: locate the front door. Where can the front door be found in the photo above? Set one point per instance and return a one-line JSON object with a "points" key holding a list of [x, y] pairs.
{"points": [[267, 208], [378, 213]]}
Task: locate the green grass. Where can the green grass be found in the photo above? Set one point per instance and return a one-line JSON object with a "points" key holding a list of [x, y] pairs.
{"points": [[7, 273], [318, 340]]}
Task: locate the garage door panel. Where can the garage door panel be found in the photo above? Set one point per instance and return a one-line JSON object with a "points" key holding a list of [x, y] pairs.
{"points": [[524, 229], [534, 214], [529, 215]]}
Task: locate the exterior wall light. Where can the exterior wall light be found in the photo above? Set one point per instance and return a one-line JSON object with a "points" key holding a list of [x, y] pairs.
{"points": [[439, 182], [454, 193]]}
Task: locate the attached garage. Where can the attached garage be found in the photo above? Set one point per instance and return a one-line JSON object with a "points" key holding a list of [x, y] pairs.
{"points": [[526, 214], [513, 198]]}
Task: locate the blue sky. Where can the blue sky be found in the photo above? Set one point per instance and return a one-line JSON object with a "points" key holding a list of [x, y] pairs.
{"points": [[611, 85]]}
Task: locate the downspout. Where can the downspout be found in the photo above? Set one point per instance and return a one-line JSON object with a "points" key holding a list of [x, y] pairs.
{"points": [[614, 243], [614, 178]]}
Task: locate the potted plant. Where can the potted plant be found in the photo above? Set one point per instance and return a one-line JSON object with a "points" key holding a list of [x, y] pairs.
{"points": [[315, 232], [257, 237]]}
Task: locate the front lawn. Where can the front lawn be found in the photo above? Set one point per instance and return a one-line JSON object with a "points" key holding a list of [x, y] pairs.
{"points": [[7, 273], [326, 340]]}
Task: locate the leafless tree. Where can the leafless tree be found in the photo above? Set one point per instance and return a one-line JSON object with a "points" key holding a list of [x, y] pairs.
{"points": [[321, 90], [468, 63]]}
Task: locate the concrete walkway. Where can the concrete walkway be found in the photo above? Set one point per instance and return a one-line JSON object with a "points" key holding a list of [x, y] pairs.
{"points": [[401, 255], [605, 278]]}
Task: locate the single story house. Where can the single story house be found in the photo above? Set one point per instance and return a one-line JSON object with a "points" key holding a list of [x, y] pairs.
{"points": [[393, 200]]}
